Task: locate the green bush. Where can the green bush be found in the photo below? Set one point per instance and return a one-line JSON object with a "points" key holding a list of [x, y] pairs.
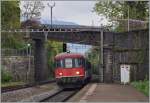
{"points": [[6, 76], [142, 86]]}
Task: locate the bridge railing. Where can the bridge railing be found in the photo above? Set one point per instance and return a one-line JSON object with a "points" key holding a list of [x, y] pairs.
{"points": [[60, 29], [16, 52]]}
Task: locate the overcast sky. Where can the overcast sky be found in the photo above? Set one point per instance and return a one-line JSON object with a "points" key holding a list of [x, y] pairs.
{"points": [[79, 12]]}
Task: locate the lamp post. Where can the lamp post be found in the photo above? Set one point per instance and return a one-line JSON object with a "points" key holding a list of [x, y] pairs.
{"points": [[51, 10], [29, 63]]}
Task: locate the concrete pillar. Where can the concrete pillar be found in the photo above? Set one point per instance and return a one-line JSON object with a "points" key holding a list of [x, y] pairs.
{"points": [[108, 63], [40, 61]]}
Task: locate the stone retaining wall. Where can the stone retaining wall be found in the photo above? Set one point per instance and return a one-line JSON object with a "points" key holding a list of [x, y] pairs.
{"points": [[18, 66], [130, 48]]}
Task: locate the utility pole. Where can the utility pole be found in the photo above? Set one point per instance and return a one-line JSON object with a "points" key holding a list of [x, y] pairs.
{"points": [[128, 19], [51, 10], [101, 69]]}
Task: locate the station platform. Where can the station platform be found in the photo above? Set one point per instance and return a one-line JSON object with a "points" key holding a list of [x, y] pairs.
{"points": [[99, 92]]}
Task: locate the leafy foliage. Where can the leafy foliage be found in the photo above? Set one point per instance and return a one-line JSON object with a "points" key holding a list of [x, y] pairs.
{"points": [[13, 40], [142, 86], [118, 11], [10, 14], [5, 76], [109, 9], [11, 20], [93, 57], [53, 49]]}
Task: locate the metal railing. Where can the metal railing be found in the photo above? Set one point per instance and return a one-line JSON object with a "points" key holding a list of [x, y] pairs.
{"points": [[16, 52], [60, 28]]}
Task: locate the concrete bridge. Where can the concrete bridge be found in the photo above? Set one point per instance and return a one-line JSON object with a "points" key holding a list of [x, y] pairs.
{"points": [[132, 42]]}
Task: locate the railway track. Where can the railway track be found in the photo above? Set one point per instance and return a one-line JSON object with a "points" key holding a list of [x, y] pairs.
{"points": [[60, 96], [17, 87]]}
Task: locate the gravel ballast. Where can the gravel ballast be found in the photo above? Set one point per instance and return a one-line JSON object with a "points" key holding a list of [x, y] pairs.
{"points": [[27, 93]]}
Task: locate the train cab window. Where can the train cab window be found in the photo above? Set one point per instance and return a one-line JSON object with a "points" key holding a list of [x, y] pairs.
{"points": [[68, 63], [78, 62], [59, 63]]}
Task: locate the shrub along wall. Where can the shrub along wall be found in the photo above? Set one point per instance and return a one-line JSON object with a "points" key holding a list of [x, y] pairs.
{"points": [[17, 68]]}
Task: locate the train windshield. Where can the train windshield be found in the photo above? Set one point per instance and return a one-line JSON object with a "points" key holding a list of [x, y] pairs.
{"points": [[78, 62], [69, 63], [59, 63]]}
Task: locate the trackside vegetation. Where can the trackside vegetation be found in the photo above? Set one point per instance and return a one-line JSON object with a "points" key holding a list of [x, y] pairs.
{"points": [[142, 86], [6, 76]]}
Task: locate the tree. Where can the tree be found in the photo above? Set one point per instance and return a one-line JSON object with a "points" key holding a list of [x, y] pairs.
{"points": [[109, 9], [10, 19], [93, 56], [31, 9], [53, 48], [30, 23], [10, 14], [118, 11]]}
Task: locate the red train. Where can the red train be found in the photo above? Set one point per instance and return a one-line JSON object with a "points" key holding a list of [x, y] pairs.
{"points": [[72, 70]]}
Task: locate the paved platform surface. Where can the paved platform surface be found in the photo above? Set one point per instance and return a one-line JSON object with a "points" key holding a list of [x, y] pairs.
{"points": [[112, 93]]}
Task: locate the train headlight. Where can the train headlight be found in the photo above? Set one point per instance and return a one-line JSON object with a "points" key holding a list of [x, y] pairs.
{"points": [[60, 74], [77, 72]]}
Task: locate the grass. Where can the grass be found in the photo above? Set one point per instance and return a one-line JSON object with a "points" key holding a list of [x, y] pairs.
{"points": [[142, 86], [11, 84]]}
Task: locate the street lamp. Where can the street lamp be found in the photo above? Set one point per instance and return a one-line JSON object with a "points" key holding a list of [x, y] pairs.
{"points": [[51, 8], [28, 45], [29, 64]]}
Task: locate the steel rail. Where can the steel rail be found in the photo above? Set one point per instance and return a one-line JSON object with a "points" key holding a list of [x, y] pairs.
{"points": [[60, 96], [17, 87]]}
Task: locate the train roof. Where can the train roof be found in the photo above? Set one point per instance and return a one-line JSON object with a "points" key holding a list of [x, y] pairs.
{"points": [[69, 55]]}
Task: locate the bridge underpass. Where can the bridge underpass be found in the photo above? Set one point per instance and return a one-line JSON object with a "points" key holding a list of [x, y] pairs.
{"points": [[114, 44], [80, 37]]}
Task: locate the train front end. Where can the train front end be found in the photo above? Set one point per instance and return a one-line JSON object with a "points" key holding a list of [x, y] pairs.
{"points": [[70, 70]]}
